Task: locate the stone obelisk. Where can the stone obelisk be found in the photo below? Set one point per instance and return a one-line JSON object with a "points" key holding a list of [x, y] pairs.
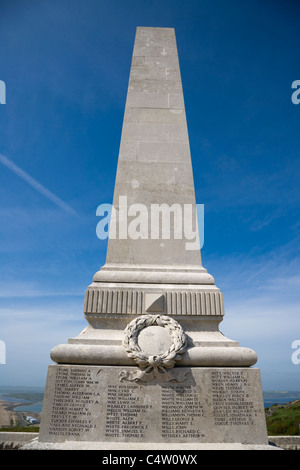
{"points": [[148, 275], [152, 368]]}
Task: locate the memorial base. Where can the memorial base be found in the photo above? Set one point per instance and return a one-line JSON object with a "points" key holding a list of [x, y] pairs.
{"points": [[125, 408], [141, 449]]}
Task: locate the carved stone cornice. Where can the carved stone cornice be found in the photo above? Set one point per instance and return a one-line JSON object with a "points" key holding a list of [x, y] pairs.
{"points": [[133, 302]]}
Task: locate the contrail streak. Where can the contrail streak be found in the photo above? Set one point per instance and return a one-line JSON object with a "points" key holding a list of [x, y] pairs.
{"points": [[36, 185]]}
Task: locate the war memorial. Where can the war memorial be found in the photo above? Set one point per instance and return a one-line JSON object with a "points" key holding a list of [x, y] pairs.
{"points": [[152, 370]]}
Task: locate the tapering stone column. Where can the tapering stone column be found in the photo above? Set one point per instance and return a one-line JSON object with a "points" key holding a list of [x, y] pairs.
{"points": [[148, 273], [152, 369]]}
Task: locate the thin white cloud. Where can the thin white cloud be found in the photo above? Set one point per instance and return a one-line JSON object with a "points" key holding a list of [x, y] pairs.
{"points": [[36, 185], [22, 289]]}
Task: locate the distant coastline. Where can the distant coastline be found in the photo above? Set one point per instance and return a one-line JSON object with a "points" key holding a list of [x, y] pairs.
{"points": [[272, 397], [16, 403]]}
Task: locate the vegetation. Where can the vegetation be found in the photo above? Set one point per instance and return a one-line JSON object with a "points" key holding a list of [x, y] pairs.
{"points": [[284, 420], [20, 429]]}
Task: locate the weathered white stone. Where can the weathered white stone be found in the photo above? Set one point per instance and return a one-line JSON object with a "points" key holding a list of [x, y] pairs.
{"points": [[158, 116], [128, 151], [115, 404], [153, 310], [162, 152], [154, 340], [160, 62], [159, 71], [155, 302], [154, 86], [147, 100], [146, 132], [156, 51], [176, 101]]}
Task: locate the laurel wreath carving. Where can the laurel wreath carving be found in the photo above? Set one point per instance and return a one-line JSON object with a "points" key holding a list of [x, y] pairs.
{"points": [[160, 362]]}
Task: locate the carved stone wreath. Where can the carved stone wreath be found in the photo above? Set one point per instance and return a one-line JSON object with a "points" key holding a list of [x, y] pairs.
{"points": [[157, 362]]}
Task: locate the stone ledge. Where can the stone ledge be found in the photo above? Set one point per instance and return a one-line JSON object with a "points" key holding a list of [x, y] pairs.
{"points": [[73, 445], [286, 442], [28, 441], [112, 355], [14, 440]]}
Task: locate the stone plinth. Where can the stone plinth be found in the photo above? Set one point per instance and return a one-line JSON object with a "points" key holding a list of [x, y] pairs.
{"points": [[109, 405]]}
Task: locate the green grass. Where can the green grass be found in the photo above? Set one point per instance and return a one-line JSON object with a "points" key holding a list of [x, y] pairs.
{"points": [[20, 429], [284, 420]]}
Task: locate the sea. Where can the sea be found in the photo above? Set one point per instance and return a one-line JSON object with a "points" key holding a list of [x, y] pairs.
{"points": [[279, 397], [30, 398]]}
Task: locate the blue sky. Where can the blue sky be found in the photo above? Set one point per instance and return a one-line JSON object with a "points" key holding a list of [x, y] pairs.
{"points": [[66, 68]]}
